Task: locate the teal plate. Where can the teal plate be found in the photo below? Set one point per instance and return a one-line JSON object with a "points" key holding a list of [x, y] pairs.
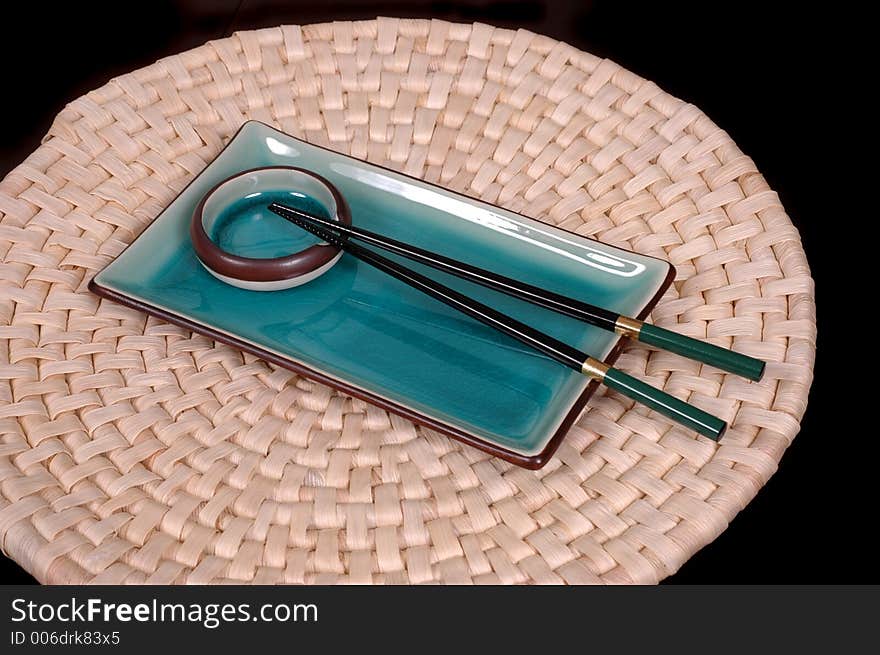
{"points": [[370, 335]]}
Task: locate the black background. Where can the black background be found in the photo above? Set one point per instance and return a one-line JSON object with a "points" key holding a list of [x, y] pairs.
{"points": [[768, 74]]}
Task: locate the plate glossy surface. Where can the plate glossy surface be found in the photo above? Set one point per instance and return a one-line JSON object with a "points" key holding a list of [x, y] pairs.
{"points": [[356, 325]]}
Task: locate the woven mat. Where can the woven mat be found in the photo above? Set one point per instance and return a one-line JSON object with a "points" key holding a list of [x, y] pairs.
{"points": [[134, 451]]}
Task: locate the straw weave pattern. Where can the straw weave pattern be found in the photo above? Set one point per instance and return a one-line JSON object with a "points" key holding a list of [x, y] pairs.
{"points": [[133, 451]]}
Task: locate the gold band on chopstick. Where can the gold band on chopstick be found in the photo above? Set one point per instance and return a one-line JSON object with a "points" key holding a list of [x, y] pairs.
{"points": [[628, 327], [595, 369]]}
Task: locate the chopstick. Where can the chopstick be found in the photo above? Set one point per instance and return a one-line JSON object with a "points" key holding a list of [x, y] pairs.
{"points": [[670, 406], [701, 351]]}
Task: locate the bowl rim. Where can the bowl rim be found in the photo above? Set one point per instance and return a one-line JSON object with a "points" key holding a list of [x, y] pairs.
{"points": [[274, 269]]}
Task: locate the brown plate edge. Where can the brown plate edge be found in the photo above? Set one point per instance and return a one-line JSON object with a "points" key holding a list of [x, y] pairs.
{"points": [[532, 462]]}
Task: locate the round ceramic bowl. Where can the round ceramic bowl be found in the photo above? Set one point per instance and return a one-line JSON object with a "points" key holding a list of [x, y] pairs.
{"points": [[239, 241]]}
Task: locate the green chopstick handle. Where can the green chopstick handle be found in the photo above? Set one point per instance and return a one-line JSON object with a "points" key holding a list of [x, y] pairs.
{"points": [[660, 401], [726, 360]]}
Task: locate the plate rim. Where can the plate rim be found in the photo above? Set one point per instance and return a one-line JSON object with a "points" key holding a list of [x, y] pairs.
{"points": [[529, 461]]}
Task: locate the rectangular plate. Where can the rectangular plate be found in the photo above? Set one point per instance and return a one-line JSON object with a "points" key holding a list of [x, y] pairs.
{"points": [[370, 335]]}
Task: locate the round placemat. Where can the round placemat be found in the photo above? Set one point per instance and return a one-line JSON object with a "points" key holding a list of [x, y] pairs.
{"points": [[134, 451]]}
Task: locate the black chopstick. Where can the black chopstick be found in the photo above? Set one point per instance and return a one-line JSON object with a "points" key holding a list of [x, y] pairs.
{"points": [[633, 328], [678, 410]]}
